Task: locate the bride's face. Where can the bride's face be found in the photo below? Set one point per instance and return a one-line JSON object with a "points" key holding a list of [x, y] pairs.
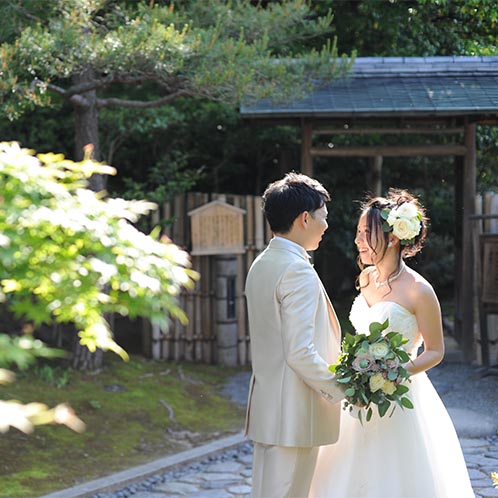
{"points": [[370, 244]]}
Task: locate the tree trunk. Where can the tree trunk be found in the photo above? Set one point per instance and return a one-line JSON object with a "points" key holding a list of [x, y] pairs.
{"points": [[87, 127], [87, 132], [83, 359]]}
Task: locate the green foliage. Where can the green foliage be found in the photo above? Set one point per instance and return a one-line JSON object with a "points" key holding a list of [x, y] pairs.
{"points": [[22, 351], [56, 376], [220, 50], [415, 27], [70, 255]]}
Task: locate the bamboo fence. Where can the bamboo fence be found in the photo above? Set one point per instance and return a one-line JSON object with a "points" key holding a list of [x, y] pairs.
{"points": [[202, 339]]}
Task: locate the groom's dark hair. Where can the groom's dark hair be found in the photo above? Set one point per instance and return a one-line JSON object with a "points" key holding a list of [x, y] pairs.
{"points": [[285, 199]]}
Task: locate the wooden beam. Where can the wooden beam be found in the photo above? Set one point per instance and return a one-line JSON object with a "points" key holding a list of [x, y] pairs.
{"points": [[390, 151], [467, 289], [389, 131], [457, 267], [306, 142]]}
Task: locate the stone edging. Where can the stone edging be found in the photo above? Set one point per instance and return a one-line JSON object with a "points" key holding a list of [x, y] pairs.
{"points": [[126, 477]]}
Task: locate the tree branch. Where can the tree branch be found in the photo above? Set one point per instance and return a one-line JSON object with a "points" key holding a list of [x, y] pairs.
{"points": [[141, 104], [30, 16], [77, 100], [96, 84]]}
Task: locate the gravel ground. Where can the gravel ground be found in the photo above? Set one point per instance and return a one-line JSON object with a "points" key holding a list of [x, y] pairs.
{"points": [[466, 386], [460, 385]]}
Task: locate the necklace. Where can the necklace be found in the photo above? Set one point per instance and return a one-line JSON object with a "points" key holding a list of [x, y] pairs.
{"points": [[389, 279]]}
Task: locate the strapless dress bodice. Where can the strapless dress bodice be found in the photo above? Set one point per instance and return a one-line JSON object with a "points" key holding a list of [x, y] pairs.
{"points": [[400, 320]]}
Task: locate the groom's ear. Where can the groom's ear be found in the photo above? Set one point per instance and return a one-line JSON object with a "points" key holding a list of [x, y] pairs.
{"points": [[303, 218]]}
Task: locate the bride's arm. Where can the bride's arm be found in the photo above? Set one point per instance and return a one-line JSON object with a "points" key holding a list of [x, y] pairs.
{"points": [[428, 314]]}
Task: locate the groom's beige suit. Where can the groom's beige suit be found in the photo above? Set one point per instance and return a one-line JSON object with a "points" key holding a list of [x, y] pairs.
{"points": [[293, 404]]}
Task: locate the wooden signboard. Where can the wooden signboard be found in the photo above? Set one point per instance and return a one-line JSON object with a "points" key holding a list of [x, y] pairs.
{"points": [[490, 270], [217, 228]]}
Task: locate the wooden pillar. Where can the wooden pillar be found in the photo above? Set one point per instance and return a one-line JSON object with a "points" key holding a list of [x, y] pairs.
{"points": [[457, 268], [306, 139], [469, 194], [374, 177]]}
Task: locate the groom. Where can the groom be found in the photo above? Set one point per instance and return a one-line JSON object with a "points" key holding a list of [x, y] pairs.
{"points": [[293, 405]]}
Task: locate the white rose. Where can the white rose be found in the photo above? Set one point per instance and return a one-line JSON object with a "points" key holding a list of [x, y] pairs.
{"points": [[416, 225], [407, 210], [405, 229], [388, 387], [393, 216], [376, 382], [378, 350]]}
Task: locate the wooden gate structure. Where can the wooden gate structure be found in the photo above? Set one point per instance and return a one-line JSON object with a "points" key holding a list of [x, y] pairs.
{"points": [[436, 97], [224, 234]]}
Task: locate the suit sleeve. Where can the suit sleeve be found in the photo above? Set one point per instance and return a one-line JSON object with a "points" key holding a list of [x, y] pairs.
{"points": [[299, 294]]}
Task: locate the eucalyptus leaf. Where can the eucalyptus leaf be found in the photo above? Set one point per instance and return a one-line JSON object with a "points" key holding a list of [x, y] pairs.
{"points": [[344, 380], [369, 414], [383, 407], [401, 389], [407, 403]]}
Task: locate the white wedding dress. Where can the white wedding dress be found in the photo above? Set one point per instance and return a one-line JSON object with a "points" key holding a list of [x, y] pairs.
{"points": [[413, 454]]}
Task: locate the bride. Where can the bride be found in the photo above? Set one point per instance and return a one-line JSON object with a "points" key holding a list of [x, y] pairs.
{"points": [[415, 453]]}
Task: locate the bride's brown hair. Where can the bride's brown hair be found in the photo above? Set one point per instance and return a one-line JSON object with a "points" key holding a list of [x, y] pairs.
{"points": [[373, 208]]}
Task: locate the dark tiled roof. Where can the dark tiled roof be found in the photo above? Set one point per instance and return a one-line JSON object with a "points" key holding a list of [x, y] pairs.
{"points": [[382, 86]]}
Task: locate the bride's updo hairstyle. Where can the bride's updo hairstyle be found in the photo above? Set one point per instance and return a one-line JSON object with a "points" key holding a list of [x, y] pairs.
{"points": [[376, 210]]}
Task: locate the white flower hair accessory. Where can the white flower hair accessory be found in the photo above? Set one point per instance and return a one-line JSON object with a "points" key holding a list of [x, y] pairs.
{"points": [[404, 221]]}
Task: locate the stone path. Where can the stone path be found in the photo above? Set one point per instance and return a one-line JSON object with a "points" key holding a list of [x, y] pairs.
{"points": [[222, 469], [229, 475]]}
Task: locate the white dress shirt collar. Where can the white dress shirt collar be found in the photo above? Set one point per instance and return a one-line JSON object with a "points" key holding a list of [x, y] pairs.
{"points": [[283, 243]]}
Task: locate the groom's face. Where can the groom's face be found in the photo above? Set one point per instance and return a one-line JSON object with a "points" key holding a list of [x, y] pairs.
{"points": [[316, 224]]}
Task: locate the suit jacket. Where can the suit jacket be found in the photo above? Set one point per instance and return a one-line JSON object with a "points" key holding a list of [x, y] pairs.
{"points": [[295, 336]]}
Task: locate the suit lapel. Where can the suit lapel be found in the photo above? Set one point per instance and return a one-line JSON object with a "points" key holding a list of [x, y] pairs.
{"points": [[332, 315]]}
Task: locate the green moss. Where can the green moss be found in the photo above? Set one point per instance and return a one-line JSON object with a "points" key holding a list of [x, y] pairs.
{"points": [[128, 422]]}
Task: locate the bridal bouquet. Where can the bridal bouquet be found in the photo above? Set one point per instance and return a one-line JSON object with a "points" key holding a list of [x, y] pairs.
{"points": [[371, 369]]}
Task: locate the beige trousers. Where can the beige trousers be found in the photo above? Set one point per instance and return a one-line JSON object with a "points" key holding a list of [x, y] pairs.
{"points": [[282, 472]]}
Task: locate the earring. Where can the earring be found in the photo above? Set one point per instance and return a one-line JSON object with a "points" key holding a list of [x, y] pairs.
{"points": [[390, 244]]}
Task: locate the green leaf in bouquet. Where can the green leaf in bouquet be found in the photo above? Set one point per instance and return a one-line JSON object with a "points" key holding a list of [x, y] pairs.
{"points": [[333, 368], [403, 356], [406, 402], [360, 417], [349, 339], [376, 328], [395, 338], [401, 389], [344, 380], [349, 392], [369, 414], [363, 397], [392, 374], [384, 215], [383, 407]]}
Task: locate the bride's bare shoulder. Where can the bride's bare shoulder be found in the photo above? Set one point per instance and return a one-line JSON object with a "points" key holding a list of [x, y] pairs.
{"points": [[420, 287]]}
